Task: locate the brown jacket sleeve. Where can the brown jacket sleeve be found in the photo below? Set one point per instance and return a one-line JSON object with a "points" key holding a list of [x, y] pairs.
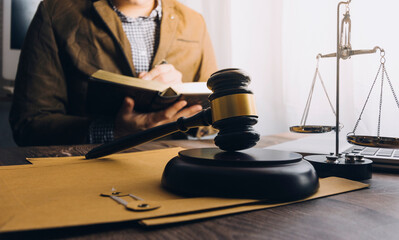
{"points": [[39, 110]]}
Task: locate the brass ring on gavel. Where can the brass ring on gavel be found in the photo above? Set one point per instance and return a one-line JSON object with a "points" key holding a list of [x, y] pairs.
{"points": [[234, 105]]}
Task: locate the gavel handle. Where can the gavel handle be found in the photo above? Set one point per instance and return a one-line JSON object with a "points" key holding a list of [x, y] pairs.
{"points": [[203, 118]]}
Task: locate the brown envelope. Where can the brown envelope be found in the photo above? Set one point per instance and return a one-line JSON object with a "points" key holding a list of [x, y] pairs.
{"points": [[328, 186], [60, 192]]}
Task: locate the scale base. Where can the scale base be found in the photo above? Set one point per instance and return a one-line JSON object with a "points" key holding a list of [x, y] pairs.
{"points": [[358, 170], [254, 173]]}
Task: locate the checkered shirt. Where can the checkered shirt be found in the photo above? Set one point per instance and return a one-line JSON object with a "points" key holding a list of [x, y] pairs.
{"points": [[143, 35]]}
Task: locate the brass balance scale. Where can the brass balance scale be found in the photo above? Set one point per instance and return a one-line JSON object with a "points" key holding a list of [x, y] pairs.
{"points": [[352, 166]]}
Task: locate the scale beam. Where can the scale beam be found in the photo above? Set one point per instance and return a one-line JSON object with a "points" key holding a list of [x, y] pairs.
{"points": [[350, 53]]}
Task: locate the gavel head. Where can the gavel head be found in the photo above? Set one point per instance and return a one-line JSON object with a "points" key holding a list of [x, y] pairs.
{"points": [[233, 110]]}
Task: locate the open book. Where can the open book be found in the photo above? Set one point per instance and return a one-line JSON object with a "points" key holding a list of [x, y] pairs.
{"points": [[107, 90]]}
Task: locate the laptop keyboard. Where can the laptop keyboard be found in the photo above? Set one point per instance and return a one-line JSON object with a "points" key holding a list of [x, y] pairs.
{"points": [[378, 155]]}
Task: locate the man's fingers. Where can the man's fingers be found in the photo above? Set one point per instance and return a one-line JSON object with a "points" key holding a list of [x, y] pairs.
{"points": [[164, 73], [142, 74], [188, 112], [127, 106], [124, 114], [171, 78], [158, 70], [169, 113]]}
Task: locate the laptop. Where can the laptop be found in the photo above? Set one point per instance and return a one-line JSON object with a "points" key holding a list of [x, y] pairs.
{"points": [[315, 144]]}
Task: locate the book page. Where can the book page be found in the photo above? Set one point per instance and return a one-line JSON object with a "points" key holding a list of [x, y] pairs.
{"points": [[128, 81], [192, 88]]}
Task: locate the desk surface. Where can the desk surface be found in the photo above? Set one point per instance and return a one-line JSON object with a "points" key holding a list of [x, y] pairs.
{"points": [[366, 214]]}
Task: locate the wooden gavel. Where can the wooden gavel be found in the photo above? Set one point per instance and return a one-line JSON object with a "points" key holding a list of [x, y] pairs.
{"points": [[232, 112]]}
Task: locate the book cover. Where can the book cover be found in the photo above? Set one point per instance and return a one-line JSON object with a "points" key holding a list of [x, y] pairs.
{"points": [[106, 92]]}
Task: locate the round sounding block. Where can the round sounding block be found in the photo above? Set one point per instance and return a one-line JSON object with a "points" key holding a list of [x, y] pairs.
{"points": [[253, 173]]}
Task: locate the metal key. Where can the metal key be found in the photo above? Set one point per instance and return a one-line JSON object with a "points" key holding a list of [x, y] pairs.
{"points": [[138, 205]]}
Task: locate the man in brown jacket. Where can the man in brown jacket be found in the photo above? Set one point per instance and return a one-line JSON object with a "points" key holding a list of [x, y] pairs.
{"points": [[69, 40]]}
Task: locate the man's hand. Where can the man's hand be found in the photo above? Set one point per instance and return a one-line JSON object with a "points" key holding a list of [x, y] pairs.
{"points": [[164, 73], [128, 121]]}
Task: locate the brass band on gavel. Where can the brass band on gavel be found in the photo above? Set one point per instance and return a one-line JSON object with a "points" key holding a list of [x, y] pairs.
{"points": [[234, 105]]}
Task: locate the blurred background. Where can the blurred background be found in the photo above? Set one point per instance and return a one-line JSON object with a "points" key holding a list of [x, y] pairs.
{"points": [[276, 43]]}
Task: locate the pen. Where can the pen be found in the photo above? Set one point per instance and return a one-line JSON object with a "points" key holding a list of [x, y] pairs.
{"points": [[203, 118], [129, 141], [163, 61]]}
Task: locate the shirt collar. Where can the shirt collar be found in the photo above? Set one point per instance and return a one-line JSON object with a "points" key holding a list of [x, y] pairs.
{"points": [[156, 13]]}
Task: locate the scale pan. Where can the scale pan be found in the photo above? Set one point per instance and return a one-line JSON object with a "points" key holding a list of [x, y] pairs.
{"points": [[312, 129], [373, 141]]}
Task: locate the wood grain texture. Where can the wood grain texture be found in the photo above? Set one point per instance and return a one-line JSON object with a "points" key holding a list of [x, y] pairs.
{"points": [[366, 214]]}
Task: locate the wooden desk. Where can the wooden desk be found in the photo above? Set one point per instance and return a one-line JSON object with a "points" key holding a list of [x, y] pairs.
{"points": [[366, 214]]}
